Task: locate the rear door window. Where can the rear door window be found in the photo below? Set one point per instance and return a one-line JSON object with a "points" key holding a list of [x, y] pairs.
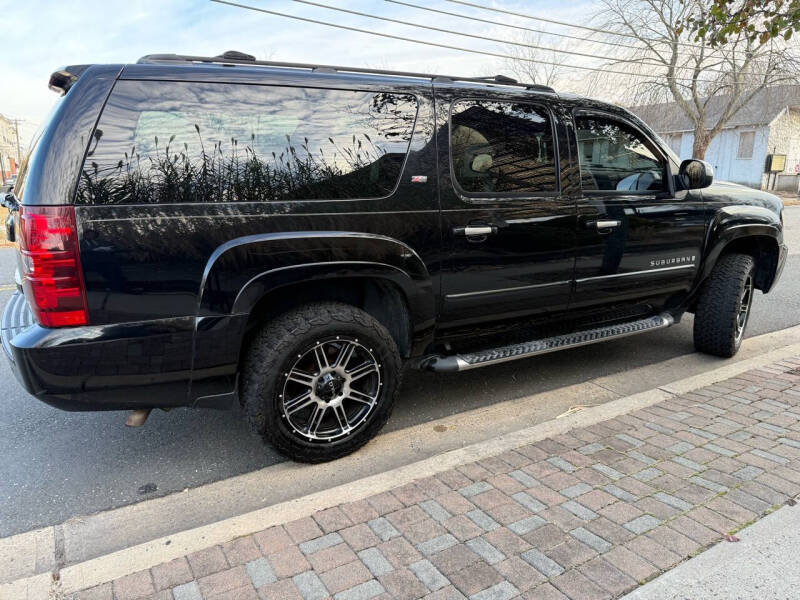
{"points": [[172, 142], [500, 148]]}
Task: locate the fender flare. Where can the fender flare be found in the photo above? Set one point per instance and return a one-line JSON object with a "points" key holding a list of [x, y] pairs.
{"points": [[733, 223], [240, 272]]}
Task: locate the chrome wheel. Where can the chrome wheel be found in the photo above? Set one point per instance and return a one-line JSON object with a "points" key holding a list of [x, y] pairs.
{"points": [[330, 389], [745, 301]]}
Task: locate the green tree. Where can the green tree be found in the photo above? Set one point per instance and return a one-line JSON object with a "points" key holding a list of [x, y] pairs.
{"points": [[759, 20], [709, 85]]}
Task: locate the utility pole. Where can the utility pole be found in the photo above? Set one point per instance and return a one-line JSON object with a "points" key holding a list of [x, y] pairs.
{"points": [[19, 153]]}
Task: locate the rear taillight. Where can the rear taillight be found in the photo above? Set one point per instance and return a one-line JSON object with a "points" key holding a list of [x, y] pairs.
{"points": [[51, 265]]}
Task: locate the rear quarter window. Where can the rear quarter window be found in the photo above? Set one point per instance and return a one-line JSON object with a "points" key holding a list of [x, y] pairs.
{"points": [[176, 142], [22, 174]]}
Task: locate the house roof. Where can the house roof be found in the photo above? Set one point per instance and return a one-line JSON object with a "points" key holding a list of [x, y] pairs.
{"points": [[761, 110]]}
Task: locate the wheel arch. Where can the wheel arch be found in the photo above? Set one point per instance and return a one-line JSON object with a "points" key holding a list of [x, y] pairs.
{"points": [[764, 250], [379, 295], [263, 275], [750, 230]]}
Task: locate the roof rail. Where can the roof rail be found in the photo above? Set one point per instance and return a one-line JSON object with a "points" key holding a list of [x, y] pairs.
{"points": [[232, 57]]}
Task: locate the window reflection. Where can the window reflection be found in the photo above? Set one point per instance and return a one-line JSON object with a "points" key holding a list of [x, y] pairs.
{"points": [[163, 142], [615, 157], [501, 147]]}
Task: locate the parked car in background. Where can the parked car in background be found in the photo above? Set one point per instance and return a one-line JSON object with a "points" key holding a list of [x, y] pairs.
{"points": [[206, 231]]}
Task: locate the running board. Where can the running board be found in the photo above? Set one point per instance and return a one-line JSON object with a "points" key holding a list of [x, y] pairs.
{"points": [[493, 356]]}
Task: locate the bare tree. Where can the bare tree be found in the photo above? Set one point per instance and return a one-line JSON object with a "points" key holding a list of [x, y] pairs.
{"points": [[710, 85], [525, 69]]}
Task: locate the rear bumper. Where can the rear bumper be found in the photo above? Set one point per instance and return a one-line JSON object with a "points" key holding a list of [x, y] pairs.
{"points": [[17, 317], [110, 367]]}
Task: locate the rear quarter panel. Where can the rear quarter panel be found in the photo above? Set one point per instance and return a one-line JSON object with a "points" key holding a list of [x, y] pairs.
{"points": [[151, 262]]}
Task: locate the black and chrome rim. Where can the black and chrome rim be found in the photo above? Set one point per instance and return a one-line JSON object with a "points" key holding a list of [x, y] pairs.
{"points": [[745, 301], [330, 389]]}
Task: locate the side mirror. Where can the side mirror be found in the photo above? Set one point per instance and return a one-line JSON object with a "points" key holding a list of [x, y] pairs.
{"points": [[10, 202], [696, 174]]}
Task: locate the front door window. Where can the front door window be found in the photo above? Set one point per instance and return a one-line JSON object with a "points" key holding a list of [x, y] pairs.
{"points": [[615, 157]]}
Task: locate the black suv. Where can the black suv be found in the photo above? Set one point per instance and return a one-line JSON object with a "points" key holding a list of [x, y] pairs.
{"points": [[199, 231]]}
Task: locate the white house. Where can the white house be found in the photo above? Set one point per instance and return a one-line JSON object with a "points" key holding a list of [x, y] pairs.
{"points": [[768, 124]]}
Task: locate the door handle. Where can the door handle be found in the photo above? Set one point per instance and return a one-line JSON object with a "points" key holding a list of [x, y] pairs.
{"points": [[606, 225], [475, 230]]}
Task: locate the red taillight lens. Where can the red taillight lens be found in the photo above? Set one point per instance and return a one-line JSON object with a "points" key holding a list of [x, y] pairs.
{"points": [[51, 266]]}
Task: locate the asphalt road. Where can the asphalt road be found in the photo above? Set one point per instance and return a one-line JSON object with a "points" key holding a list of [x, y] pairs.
{"points": [[56, 465]]}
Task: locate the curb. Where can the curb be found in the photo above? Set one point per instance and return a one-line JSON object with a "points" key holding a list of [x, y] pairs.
{"points": [[727, 570], [142, 556]]}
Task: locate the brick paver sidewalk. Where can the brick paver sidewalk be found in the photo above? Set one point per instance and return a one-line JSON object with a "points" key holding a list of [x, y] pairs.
{"points": [[589, 514]]}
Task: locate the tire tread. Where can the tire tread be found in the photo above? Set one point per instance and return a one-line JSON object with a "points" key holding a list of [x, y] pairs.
{"points": [[717, 307]]}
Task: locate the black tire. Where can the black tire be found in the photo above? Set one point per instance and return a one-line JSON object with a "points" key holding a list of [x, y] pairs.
{"points": [[322, 331], [718, 326]]}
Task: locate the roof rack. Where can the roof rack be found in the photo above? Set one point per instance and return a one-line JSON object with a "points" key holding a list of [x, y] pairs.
{"points": [[232, 57]]}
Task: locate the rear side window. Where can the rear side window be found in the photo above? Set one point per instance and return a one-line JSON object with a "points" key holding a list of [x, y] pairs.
{"points": [[616, 157], [501, 148], [160, 142], [22, 174]]}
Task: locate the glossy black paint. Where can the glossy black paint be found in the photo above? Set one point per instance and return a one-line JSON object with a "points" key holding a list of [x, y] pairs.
{"points": [[633, 262], [741, 215], [523, 269], [174, 288], [107, 367]]}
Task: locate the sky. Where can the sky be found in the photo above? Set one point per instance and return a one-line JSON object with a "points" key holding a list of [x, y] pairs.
{"points": [[40, 36]]}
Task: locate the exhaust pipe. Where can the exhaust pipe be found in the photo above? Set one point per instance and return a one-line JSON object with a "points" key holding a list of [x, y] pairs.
{"points": [[137, 418]]}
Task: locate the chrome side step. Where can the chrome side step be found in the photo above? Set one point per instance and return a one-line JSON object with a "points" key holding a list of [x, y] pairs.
{"points": [[464, 362]]}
